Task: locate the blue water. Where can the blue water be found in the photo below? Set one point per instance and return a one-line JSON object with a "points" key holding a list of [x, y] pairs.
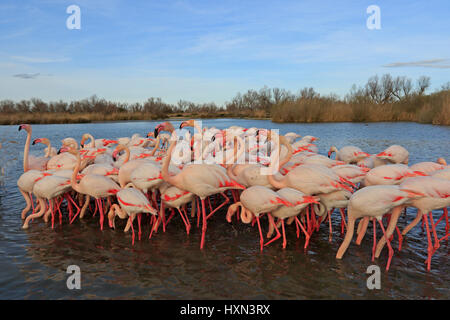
{"points": [[33, 262]]}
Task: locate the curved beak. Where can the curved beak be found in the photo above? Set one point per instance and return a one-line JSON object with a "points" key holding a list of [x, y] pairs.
{"points": [[183, 124], [20, 127], [156, 132]]}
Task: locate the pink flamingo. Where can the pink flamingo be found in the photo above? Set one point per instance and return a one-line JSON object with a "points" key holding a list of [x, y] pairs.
{"points": [[436, 195], [374, 202], [255, 201], [132, 202], [348, 154], [93, 185], [202, 180], [389, 174], [395, 154]]}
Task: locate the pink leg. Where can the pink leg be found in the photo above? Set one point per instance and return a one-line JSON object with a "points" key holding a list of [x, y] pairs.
{"points": [[69, 198], [187, 218], [132, 229], [204, 226], [32, 202], [276, 229], [430, 245], [224, 203], [391, 251], [139, 216], [436, 240], [374, 239], [330, 237], [198, 212], [184, 221], [50, 202], [307, 236], [261, 238], [284, 234], [343, 223], [100, 208]]}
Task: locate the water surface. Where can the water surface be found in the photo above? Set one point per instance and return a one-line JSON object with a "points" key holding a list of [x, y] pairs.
{"points": [[33, 262]]}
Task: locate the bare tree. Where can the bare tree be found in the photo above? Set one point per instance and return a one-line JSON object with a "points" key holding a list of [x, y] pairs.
{"points": [[422, 84]]}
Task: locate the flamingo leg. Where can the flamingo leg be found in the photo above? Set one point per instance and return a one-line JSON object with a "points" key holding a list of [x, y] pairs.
{"points": [[184, 220], [374, 239], [132, 229], [139, 216], [391, 251], [32, 202], [50, 202], [69, 206], [276, 229], [261, 238], [224, 203], [307, 236], [362, 229], [58, 205], [82, 210], [204, 225], [187, 218], [95, 210], [330, 237], [413, 223], [172, 214], [343, 223], [436, 240], [284, 234], [430, 245], [100, 206], [28, 201], [198, 212]]}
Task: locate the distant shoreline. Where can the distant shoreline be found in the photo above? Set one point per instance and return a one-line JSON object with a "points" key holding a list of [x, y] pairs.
{"points": [[66, 118]]}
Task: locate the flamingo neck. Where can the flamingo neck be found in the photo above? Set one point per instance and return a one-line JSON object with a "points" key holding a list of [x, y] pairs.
{"points": [[26, 151], [92, 139], [73, 180], [156, 145], [49, 149], [165, 166]]}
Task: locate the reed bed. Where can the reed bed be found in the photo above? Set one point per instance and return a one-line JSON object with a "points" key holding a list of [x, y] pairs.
{"points": [[379, 100]]}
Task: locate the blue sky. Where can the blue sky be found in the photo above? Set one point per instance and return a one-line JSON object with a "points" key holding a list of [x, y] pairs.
{"points": [[206, 50]]}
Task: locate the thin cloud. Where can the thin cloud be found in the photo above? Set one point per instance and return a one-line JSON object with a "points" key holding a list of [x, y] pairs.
{"points": [[434, 63], [27, 75], [38, 60]]}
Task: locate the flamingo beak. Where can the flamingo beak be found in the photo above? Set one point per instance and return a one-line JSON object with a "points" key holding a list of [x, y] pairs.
{"points": [[183, 124], [20, 127], [329, 154]]}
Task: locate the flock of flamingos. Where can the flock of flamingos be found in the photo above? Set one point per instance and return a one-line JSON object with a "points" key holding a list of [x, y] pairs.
{"points": [[129, 177]]}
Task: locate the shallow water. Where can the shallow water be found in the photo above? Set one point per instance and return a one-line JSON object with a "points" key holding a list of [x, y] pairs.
{"points": [[33, 262]]}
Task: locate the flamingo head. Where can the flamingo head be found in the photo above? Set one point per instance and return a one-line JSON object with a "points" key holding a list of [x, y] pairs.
{"points": [[41, 140], [83, 140], [118, 149], [441, 161], [189, 123], [25, 127]]}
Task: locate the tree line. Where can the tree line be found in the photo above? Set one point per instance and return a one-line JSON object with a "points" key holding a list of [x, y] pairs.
{"points": [[384, 98]]}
